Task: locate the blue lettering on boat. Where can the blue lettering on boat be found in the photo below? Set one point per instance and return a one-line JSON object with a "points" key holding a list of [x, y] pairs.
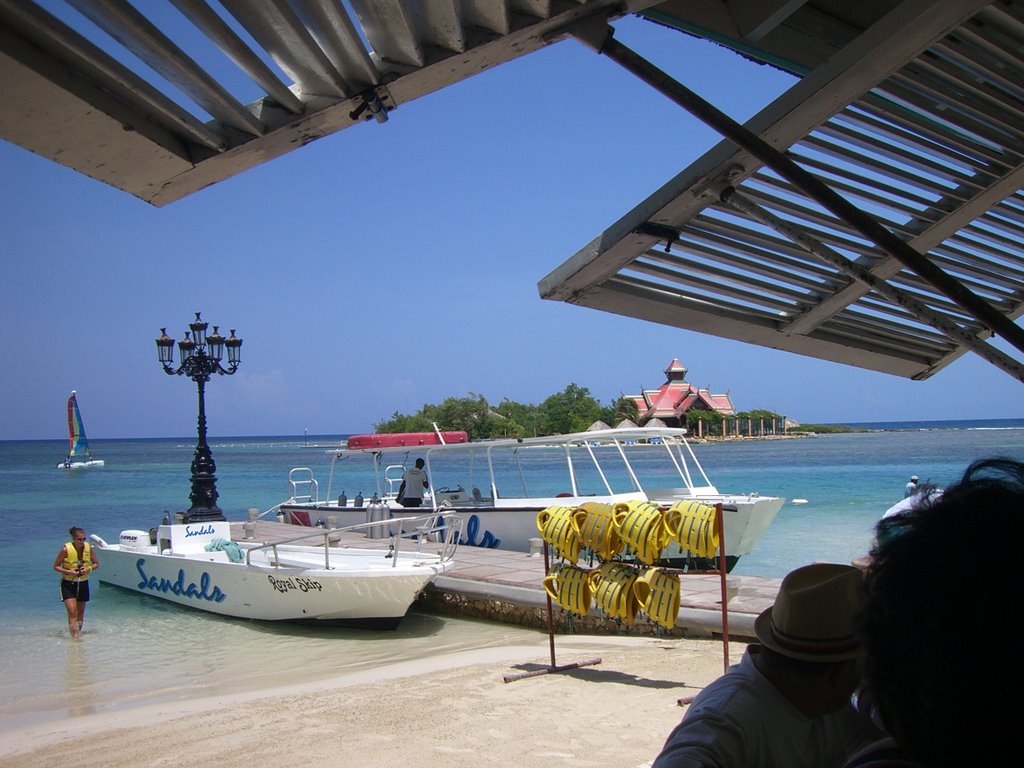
{"points": [[489, 540], [201, 591], [203, 530]]}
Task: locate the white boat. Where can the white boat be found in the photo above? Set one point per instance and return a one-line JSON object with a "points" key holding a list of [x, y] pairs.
{"points": [[198, 565], [79, 456], [497, 487]]}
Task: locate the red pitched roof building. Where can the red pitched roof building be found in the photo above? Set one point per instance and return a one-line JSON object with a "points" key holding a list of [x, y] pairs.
{"points": [[676, 396]]}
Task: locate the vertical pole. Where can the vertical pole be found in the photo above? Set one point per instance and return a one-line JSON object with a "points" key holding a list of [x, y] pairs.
{"points": [[722, 576], [551, 619], [204, 480]]}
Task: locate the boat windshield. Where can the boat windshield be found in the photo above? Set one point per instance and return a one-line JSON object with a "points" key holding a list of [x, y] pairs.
{"points": [[534, 471]]}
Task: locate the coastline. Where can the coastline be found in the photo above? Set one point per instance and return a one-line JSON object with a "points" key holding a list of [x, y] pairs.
{"points": [[453, 709]]}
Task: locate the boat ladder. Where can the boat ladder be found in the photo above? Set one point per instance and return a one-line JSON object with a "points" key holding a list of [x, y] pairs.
{"points": [[302, 486]]}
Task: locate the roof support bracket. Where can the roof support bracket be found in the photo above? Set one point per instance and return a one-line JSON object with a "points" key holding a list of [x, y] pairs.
{"points": [[370, 100], [660, 231]]}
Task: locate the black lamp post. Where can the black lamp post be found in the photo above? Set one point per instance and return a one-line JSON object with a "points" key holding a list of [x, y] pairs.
{"points": [[200, 359]]}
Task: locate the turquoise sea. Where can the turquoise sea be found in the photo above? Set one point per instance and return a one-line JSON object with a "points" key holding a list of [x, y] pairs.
{"points": [[138, 650]]}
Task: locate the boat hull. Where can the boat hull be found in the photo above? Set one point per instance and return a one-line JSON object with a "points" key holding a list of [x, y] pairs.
{"points": [[745, 519], [81, 464], [361, 589]]}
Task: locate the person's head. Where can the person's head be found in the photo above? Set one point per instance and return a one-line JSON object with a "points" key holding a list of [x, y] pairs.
{"points": [[913, 479], [77, 534], [419, 463], [939, 581], [809, 635]]}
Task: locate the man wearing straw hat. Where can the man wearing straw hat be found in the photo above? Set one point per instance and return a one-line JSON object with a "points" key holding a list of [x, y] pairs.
{"points": [[787, 703]]}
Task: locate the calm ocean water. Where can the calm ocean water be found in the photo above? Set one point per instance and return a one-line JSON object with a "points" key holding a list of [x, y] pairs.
{"points": [[139, 650]]}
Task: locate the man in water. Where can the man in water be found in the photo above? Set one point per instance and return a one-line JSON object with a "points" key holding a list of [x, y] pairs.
{"points": [[414, 483], [74, 562]]}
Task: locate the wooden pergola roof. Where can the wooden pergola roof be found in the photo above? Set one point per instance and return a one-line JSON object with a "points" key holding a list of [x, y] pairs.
{"points": [[909, 113], [913, 114]]}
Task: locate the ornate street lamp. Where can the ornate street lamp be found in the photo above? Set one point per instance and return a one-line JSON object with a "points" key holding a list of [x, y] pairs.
{"points": [[201, 358]]}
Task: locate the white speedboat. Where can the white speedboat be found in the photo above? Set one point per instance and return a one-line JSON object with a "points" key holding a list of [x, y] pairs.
{"points": [[497, 487], [199, 566]]}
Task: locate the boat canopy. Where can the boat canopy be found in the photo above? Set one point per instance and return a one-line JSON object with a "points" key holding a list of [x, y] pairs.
{"points": [[602, 462]]}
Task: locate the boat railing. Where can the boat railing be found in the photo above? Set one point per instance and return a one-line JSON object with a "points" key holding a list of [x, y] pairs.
{"points": [[393, 476], [410, 530]]}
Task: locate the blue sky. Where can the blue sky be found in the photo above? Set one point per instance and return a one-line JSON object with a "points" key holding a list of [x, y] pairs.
{"points": [[389, 266]]}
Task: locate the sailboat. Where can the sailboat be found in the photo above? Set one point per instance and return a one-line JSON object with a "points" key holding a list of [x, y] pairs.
{"points": [[79, 456]]}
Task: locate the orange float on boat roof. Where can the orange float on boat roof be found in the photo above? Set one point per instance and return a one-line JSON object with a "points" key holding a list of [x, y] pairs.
{"points": [[404, 439]]}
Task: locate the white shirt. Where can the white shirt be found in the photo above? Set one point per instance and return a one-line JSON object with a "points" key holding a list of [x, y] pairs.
{"points": [[415, 480]]}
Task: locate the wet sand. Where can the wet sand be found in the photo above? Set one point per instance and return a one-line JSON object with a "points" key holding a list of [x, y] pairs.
{"points": [[454, 710]]}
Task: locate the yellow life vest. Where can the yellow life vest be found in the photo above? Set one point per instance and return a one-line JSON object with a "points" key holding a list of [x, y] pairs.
{"points": [[72, 561]]}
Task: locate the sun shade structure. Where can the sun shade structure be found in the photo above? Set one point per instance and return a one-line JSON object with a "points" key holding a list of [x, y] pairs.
{"points": [[145, 96], [871, 215]]}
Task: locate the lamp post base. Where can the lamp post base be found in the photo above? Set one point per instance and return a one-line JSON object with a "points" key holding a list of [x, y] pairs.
{"points": [[204, 516]]}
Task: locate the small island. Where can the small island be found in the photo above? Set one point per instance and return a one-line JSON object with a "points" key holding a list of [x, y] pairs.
{"points": [[676, 403]]}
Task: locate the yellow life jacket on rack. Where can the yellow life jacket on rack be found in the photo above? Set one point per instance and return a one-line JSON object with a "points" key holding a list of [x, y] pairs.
{"points": [[72, 561]]}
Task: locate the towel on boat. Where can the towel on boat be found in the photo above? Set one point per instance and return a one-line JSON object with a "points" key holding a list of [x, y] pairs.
{"points": [[234, 552]]}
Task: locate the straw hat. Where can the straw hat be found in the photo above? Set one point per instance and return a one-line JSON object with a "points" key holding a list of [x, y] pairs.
{"points": [[814, 615]]}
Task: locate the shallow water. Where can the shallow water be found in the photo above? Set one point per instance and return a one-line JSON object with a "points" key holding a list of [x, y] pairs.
{"points": [[137, 650]]}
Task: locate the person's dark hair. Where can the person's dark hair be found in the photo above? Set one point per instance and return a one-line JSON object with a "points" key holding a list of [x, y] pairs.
{"points": [[941, 577], [806, 670], [75, 529]]}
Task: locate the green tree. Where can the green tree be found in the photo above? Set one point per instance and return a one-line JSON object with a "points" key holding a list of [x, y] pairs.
{"points": [[571, 410], [471, 414], [400, 422], [521, 419], [622, 408], [712, 421], [758, 413]]}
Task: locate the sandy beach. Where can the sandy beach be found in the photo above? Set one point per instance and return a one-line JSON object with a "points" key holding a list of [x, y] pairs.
{"points": [[453, 710]]}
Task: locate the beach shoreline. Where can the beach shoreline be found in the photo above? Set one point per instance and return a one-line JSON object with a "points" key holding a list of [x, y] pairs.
{"points": [[454, 708]]}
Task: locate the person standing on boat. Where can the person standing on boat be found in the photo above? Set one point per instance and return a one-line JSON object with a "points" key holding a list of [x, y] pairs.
{"points": [[912, 487], [414, 483], [74, 562]]}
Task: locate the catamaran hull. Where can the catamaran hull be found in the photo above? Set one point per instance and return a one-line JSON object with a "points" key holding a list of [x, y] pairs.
{"points": [[362, 592], [745, 519], [81, 464]]}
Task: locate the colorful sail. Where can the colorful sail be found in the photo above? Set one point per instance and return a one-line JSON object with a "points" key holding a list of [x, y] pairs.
{"points": [[76, 432]]}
